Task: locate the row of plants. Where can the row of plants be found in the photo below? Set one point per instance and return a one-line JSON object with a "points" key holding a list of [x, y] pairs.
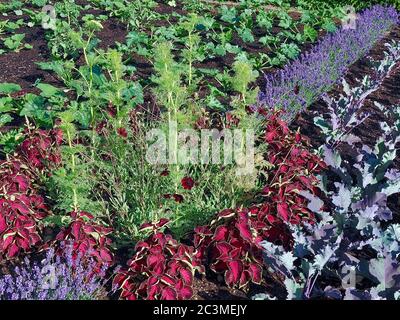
{"points": [[204, 37], [105, 131], [200, 37], [56, 277], [15, 17], [356, 237], [232, 245], [357, 4], [303, 81], [312, 4], [303, 244]]}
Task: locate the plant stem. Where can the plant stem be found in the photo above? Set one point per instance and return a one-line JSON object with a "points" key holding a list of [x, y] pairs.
{"points": [[73, 167]]}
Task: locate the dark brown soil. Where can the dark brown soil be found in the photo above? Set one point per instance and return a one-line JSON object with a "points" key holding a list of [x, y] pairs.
{"points": [[113, 31], [21, 68], [204, 289], [212, 287]]}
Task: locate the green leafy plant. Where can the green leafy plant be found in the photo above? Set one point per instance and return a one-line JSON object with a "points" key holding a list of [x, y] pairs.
{"points": [[15, 42], [192, 43], [70, 184], [243, 76], [169, 91]]}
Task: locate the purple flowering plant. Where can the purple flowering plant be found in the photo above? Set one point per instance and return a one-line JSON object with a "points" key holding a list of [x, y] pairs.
{"points": [[56, 277], [305, 79]]}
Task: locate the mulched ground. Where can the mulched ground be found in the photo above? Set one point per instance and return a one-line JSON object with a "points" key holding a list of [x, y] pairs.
{"points": [[21, 68]]}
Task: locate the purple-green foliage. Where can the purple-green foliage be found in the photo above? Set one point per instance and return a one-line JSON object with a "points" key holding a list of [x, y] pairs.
{"points": [[54, 278], [372, 184], [362, 190], [304, 80], [361, 220]]}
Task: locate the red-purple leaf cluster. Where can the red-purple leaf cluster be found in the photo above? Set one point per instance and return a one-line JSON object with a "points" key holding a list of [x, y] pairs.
{"points": [[21, 206], [40, 148], [87, 239], [231, 244], [295, 170], [161, 268]]}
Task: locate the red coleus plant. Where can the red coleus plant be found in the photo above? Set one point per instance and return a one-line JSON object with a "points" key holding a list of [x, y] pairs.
{"points": [[40, 148], [161, 268], [87, 239], [295, 170], [20, 208], [15, 176], [231, 244], [19, 214]]}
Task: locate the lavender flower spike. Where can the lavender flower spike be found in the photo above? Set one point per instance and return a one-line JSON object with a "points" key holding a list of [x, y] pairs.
{"points": [[304, 80], [54, 278]]}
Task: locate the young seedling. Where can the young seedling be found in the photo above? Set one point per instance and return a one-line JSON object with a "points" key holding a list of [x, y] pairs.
{"points": [[15, 43]]}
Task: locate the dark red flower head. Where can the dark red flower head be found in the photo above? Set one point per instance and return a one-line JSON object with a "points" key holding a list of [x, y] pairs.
{"points": [[187, 183], [122, 132], [178, 198], [164, 173]]}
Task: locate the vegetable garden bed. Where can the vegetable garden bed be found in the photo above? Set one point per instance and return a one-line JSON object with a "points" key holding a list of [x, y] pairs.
{"points": [[81, 195]]}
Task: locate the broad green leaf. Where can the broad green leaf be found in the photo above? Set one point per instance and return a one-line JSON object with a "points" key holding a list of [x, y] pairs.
{"points": [[4, 119], [310, 33], [48, 90], [8, 88]]}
